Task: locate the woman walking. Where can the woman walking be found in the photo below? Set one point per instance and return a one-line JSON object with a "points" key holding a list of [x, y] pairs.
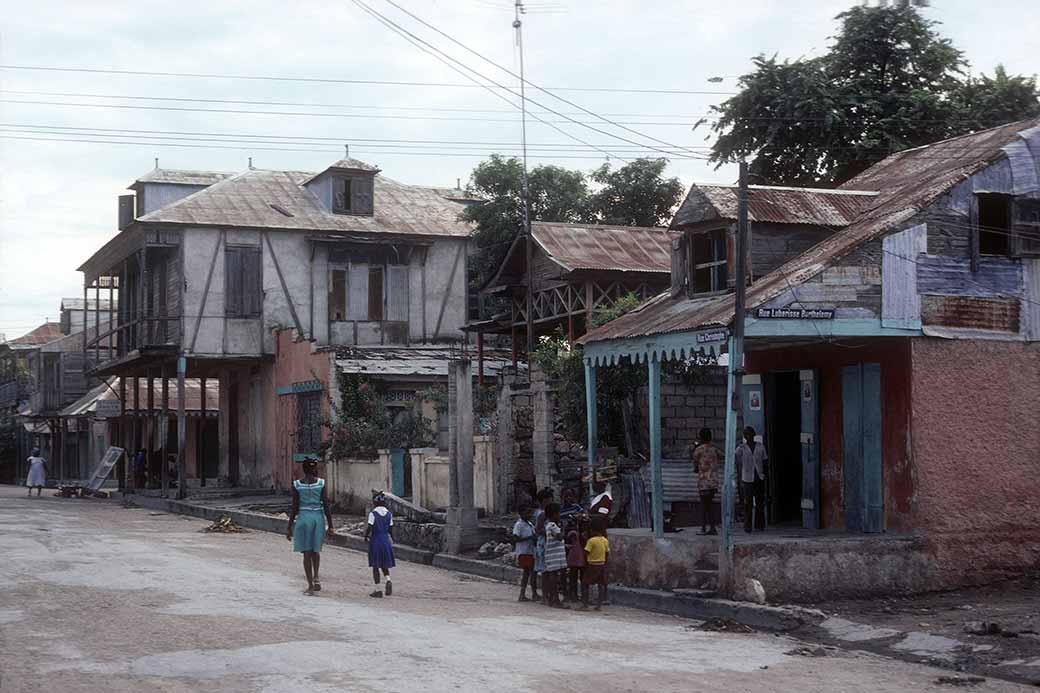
{"points": [[37, 473], [308, 519], [379, 533]]}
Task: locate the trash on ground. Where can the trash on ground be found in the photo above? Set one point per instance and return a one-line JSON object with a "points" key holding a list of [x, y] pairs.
{"points": [[224, 525], [725, 625], [963, 681], [808, 652]]}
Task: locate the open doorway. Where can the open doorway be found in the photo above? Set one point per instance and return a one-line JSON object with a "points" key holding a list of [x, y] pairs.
{"points": [[785, 450]]}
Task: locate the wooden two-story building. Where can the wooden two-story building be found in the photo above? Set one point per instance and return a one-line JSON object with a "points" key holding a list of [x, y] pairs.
{"points": [[208, 269]]}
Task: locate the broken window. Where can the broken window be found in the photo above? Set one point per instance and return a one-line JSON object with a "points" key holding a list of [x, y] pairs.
{"points": [[308, 423], [708, 260], [1027, 226], [243, 294], [341, 197], [365, 291], [994, 224]]}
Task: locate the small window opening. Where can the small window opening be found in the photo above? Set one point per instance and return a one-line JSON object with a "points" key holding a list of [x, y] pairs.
{"points": [[994, 224], [709, 261], [341, 195]]}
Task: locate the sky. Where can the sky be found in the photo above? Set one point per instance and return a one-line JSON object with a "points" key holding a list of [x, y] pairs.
{"points": [[71, 141]]}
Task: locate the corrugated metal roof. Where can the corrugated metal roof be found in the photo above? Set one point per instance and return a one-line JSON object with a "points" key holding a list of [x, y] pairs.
{"points": [[777, 205], [411, 362], [246, 199], [192, 397], [598, 247], [174, 177], [47, 332], [907, 183]]}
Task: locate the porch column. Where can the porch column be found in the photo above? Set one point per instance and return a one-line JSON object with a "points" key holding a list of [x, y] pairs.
{"points": [[727, 486], [182, 427], [591, 417], [654, 374]]}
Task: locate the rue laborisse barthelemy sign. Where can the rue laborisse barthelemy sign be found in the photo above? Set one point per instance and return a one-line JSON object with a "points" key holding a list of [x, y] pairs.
{"points": [[794, 313]]}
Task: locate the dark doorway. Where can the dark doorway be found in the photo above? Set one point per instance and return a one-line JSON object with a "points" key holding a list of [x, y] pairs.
{"points": [[994, 224], [785, 450], [232, 424]]}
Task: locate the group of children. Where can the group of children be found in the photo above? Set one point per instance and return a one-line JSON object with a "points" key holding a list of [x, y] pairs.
{"points": [[566, 546]]}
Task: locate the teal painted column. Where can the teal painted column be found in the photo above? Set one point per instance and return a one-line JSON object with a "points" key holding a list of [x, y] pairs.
{"points": [[654, 373], [590, 414], [729, 472]]}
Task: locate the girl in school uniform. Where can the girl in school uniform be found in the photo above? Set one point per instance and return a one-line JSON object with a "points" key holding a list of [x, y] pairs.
{"points": [[379, 533], [310, 521]]}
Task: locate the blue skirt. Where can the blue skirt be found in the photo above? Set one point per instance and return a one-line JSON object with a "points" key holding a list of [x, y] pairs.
{"points": [[380, 552], [309, 531]]}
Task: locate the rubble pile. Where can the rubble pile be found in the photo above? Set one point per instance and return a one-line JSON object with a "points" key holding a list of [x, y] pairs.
{"points": [[224, 525], [500, 551]]}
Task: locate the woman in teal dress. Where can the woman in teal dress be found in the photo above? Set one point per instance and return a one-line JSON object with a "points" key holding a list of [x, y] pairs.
{"points": [[307, 522]]}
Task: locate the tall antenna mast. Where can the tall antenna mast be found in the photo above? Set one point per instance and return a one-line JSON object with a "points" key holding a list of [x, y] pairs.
{"points": [[525, 191]]}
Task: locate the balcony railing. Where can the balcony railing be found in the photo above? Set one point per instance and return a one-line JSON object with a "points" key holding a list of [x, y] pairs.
{"points": [[140, 334]]}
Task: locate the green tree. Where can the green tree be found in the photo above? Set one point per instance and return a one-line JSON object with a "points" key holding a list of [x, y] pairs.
{"points": [[888, 82], [637, 194]]}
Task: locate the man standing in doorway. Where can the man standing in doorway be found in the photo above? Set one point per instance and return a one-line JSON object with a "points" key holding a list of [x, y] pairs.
{"points": [[751, 461]]}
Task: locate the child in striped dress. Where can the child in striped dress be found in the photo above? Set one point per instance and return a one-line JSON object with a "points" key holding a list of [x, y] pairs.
{"points": [[555, 556]]}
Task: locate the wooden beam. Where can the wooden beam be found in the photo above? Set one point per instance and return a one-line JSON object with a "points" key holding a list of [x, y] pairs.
{"points": [[591, 419], [285, 287], [182, 368], [200, 469], [164, 427], [202, 307]]}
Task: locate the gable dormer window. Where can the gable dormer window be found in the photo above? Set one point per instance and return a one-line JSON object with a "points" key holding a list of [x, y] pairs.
{"points": [[352, 195]]}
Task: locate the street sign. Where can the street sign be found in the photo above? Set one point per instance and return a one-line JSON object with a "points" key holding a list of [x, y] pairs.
{"points": [[108, 409], [795, 313]]}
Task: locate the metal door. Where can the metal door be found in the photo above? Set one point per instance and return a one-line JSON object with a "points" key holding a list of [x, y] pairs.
{"points": [[809, 389], [861, 417], [397, 472]]}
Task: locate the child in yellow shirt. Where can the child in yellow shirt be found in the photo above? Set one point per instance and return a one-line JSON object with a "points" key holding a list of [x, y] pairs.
{"points": [[597, 555]]}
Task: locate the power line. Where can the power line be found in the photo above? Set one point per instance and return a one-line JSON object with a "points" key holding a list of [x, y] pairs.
{"points": [[523, 80], [325, 80]]}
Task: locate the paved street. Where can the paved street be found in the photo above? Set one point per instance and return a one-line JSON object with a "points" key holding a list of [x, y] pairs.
{"points": [[95, 597]]}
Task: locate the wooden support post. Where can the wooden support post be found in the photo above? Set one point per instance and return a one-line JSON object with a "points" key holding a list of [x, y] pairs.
{"points": [[164, 427], [480, 359], [97, 322], [123, 431], [657, 498], [200, 469], [182, 369], [111, 315], [85, 284], [135, 424], [149, 420], [591, 418], [512, 333]]}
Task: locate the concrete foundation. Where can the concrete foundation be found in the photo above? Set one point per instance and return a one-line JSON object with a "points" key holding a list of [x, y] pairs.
{"points": [[462, 532]]}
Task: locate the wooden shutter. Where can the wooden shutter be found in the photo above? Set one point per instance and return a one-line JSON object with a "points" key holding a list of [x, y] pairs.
{"points": [[397, 293], [338, 295], [341, 202], [361, 194], [678, 265], [357, 294], [376, 293], [233, 282], [252, 282]]}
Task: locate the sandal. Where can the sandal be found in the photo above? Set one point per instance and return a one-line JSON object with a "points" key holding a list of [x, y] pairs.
{"points": [[317, 586], [389, 588]]}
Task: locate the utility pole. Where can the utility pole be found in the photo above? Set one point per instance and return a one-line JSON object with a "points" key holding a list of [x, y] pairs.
{"points": [[736, 384], [525, 191]]}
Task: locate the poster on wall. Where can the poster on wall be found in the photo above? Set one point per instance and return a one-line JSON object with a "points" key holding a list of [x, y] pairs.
{"points": [[755, 401], [806, 390]]}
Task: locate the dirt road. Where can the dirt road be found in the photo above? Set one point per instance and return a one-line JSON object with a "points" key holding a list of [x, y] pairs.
{"points": [[95, 597]]}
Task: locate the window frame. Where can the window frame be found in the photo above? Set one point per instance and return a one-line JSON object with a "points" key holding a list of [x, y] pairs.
{"points": [[721, 243], [348, 193], [383, 268], [309, 423], [236, 301]]}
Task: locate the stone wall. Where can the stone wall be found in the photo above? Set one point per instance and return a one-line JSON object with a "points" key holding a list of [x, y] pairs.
{"points": [[686, 407]]}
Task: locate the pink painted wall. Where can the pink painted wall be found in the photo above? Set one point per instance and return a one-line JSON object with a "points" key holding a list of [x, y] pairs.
{"points": [[976, 448], [295, 362]]}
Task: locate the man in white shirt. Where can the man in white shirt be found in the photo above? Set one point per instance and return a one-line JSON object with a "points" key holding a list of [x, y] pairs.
{"points": [[751, 463]]}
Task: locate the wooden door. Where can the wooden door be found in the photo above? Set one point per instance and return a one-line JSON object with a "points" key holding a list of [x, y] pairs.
{"points": [[861, 416]]}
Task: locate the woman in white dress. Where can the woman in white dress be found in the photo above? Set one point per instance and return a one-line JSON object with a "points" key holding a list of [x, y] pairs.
{"points": [[37, 472]]}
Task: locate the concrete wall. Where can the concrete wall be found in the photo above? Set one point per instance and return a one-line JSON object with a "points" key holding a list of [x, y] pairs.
{"points": [[976, 449], [351, 482], [429, 478], [639, 560], [896, 457]]}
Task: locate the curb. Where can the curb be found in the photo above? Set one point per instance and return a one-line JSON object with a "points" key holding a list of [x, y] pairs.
{"points": [[769, 618]]}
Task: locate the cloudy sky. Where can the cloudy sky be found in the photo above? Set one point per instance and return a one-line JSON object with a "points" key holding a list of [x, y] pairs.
{"points": [[71, 141]]}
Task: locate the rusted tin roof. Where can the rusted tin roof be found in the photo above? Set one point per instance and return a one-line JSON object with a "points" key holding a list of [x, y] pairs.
{"points": [[251, 199], [47, 332], [597, 247], [906, 183], [175, 177], [87, 404], [772, 204]]}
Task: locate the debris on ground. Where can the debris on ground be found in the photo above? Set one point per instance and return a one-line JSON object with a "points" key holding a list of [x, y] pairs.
{"points": [[129, 503], [807, 651], [725, 625], [988, 628], [493, 549], [224, 525], [961, 681]]}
